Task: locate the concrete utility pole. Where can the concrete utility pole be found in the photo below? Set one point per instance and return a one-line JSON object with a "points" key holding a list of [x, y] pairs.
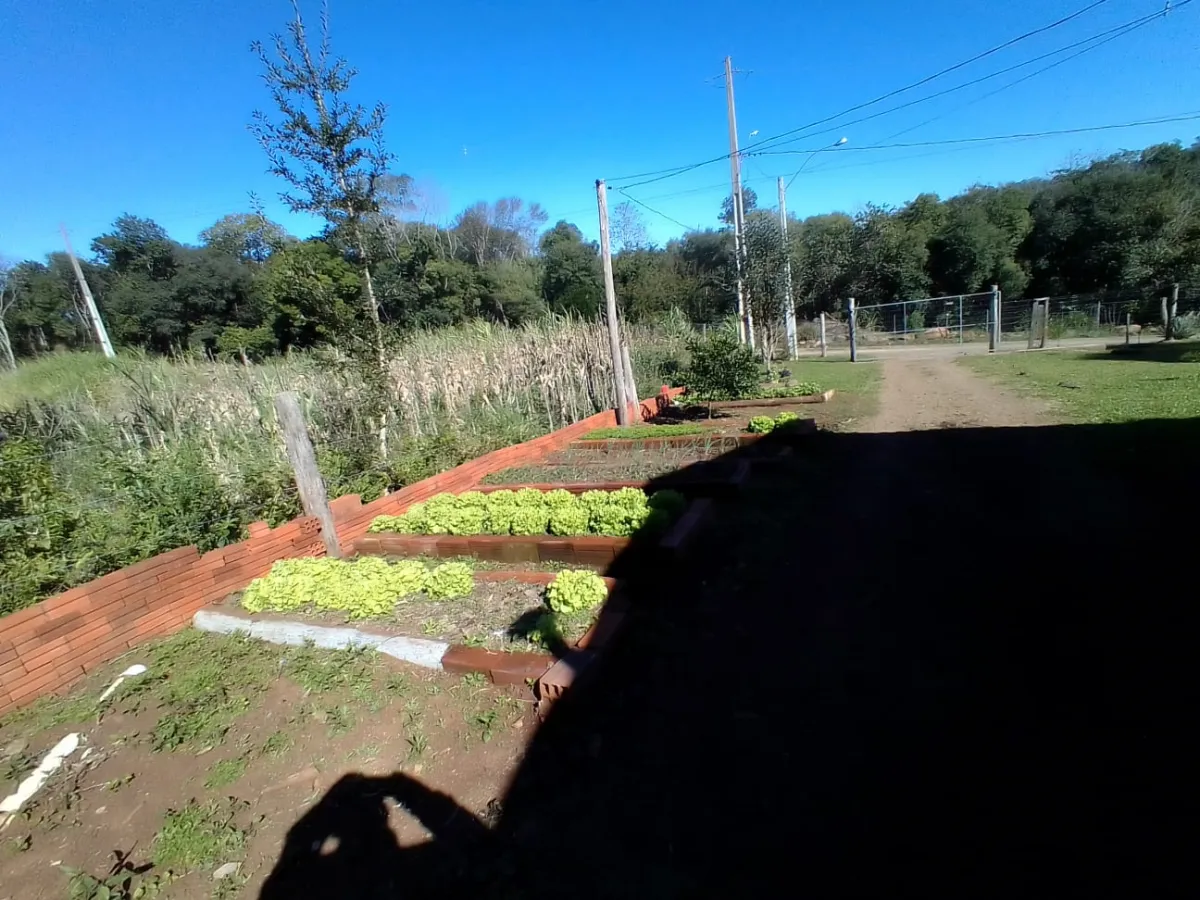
{"points": [[745, 319], [789, 307], [89, 304], [610, 307]]}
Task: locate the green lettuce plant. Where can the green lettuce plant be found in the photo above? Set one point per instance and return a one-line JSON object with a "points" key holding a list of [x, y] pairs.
{"points": [[761, 425], [569, 519], [364, 587], [575, 589], [453, 579], [528, 520]]}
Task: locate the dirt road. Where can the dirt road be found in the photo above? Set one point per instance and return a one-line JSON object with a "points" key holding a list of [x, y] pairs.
{"points": [[919, 395]]}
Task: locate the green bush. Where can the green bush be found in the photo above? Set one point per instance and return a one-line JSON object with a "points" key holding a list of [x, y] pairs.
{"points": [[452, 579], [575, 589], [721, 368]]}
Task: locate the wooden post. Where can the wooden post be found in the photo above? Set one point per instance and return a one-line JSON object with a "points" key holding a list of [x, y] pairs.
{"points": [[1033, 324], [1045, 322], [994, 330], [853, 334], [1127, 327], [610, 306], [631, 391], [960, 322], [89, 303], [304, 463], [824, 347], [1166, 318], [1173, 311]]}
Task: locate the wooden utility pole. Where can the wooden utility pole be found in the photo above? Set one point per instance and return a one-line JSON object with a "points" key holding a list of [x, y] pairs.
{"points": [[610, 306], [89, 304], [304, 464], [745, 318], [631, 391], [789, 308]]}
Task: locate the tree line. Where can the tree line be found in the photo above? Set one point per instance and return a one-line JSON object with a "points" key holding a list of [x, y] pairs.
{"points": [[1128, 222]]}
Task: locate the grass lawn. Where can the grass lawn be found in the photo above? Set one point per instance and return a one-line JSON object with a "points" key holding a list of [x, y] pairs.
{"points": [[1155, 381], [857, 386]]}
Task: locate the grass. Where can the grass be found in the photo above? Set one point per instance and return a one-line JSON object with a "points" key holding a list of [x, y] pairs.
{"points": [[641, 432], [856, 386], [225, 772], [200, 836], [1156, 381]]}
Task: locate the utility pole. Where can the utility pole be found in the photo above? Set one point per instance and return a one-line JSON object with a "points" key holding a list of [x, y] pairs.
{"points": [[89, 304], [745, 319], [610, 306], [789, 308]]}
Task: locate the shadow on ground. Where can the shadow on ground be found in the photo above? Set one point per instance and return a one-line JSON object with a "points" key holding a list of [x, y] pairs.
{"points": [[937, 664]]}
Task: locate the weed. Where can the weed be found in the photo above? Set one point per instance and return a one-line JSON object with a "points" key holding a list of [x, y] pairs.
{"points": [[641, 432], [485, 721], [122, 881], [321, 671], [340, 719], [200, 836], [398, 684], [279, 743], [432, 626], [225, 772], [474, 640], [117, 783], [417, 744], [474, 679]]}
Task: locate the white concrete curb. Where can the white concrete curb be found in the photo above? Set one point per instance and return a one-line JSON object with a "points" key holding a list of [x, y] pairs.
{"points": [[417, 651]]}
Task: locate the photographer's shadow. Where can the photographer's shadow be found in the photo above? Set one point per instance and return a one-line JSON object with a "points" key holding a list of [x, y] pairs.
{"points": [[344, 846]]}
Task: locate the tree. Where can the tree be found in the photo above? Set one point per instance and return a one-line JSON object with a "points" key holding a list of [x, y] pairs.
{"points": [[628, 228], [749, 202], [310, 293], [8, 296], [250, 237], [822, 261], [327, 148], [512, 291], [506, 229], [764, 279], [570, 271]]}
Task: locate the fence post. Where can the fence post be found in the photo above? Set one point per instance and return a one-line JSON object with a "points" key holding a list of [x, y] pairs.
{"points": [[960, 324], [823, 347], [1127, 328], [904, 318], [304, 463], [1097, 315], [1034, 325], [853, 334], [996, 336], [1045, 322]]}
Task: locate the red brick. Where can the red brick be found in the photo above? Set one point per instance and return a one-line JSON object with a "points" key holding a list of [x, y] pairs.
{"points": [[33, 687], [102, 653], [552, 550], [68, 603], [88, 635], [35, 648], [463, 660], [10, 666], [13, 622]]}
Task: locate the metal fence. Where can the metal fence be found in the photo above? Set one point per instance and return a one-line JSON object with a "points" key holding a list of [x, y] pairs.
{"points": [[992, 319]]}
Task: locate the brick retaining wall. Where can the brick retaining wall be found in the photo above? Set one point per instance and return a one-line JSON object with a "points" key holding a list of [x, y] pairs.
{"points": [[46, 647]]}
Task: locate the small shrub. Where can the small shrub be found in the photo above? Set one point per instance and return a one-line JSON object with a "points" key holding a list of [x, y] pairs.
{"points": [[529, 520], [1186, 326], [362, 587], [453, 579], [721, 368], [574, 590]]}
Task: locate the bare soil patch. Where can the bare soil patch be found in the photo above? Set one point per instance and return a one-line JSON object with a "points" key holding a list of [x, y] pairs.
{"points": [[310, 719], [919, 395]]}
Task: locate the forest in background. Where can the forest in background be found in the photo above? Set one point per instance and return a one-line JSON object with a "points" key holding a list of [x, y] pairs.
{"points": [[1127, 224]]}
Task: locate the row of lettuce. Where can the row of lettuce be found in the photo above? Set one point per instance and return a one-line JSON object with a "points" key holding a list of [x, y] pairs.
{"points": [[369, 587], [529, 511]]}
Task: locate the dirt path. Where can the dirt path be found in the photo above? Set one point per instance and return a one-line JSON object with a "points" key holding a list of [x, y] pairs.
{"points": [[919, 395]]}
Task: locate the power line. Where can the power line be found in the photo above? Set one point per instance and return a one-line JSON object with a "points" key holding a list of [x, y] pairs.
{"points": [[662, 174], [655, 211], [946, 71], [1026, 135], [1108, 36]]}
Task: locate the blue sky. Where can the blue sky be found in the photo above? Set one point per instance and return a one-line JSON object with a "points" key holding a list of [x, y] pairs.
{"points": [[141, 106]]}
